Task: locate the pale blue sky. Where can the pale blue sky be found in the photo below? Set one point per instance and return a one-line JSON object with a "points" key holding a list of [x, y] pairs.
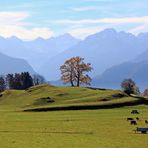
{"points": [[28, 18]]}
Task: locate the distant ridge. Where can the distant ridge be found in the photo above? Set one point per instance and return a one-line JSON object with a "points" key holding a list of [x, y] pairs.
{"points": [[37, 51], [12, 65], [113, 76]]}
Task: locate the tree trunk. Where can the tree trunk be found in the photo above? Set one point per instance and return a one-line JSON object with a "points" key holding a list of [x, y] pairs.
{"points": [[71, 81], [78, 83], [78, 80], [72, 84]]}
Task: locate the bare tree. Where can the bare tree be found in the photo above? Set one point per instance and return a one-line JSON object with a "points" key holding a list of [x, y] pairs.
{"points": [[74, 71], [38, 79]]}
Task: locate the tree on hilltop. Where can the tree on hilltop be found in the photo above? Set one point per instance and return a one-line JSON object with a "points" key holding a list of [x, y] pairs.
{"points": [[74, 71], [129, 87]]}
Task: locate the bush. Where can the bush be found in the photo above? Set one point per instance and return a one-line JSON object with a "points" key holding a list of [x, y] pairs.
{"points": [[129, 87]]}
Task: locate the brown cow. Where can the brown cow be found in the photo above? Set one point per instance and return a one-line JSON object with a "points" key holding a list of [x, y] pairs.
{"points": [[146, 121], [133, 122]]}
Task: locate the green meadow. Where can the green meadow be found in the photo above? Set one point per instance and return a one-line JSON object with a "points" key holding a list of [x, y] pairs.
{"points": [[67, 129], [103, 128]]}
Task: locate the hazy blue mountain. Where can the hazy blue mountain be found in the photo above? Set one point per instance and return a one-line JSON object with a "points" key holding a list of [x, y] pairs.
{"points": [[38, 51], [113, 76], [136, 69], [143, 37], [103, 50], [142, 57], [12, 65]]}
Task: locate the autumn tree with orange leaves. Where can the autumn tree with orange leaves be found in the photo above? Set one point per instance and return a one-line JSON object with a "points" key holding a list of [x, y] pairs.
{"points": [[74, 71]]}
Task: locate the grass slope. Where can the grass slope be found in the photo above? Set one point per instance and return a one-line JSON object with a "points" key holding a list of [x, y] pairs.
{"points": [[45, 96]]}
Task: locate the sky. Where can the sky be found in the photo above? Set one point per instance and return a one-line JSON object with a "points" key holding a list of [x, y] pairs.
{"points": [[30, 19]]}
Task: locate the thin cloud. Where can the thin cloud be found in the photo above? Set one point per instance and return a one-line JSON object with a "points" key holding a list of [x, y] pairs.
{"points": [[84, 32], [141, 24], [13, 18], [14, 24], [25, 34], [125, 20], [79, 9], [139, 29]]}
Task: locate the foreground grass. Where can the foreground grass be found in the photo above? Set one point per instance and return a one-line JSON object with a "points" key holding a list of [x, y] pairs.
{"points": [[72, 129]]}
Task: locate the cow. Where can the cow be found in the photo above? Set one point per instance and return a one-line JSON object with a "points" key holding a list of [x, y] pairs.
{"points": [[134, 112], [129, 119], [137, 118], [146, 121], [133, 122]]}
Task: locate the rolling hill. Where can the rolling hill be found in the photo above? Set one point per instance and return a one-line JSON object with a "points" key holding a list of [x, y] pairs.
{"points": [[50, 97]]}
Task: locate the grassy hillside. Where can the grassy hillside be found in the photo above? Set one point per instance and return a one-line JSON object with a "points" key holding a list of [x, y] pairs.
{"points": [[90, 129], [45, 96]]}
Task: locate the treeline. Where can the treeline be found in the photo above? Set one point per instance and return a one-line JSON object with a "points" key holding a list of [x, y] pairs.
{"points": [[20, 81]]}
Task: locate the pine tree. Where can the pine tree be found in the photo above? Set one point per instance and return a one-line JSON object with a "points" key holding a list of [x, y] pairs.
{"points": [[2, 84], [19, 81]]}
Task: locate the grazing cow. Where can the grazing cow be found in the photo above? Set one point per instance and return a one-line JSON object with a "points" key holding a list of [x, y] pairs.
{"points": [[129, 119], [134, 112], [133, 122], [146, 121], [137, 118]]}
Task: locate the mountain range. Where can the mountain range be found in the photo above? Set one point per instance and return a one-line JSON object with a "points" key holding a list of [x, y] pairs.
{"points": [[102, 50], [136, 70], [13, 65], [36, 52]]}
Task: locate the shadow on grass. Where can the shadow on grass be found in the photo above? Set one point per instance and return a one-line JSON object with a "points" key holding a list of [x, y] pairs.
{"points": [[49, 132], [90, 107]]}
